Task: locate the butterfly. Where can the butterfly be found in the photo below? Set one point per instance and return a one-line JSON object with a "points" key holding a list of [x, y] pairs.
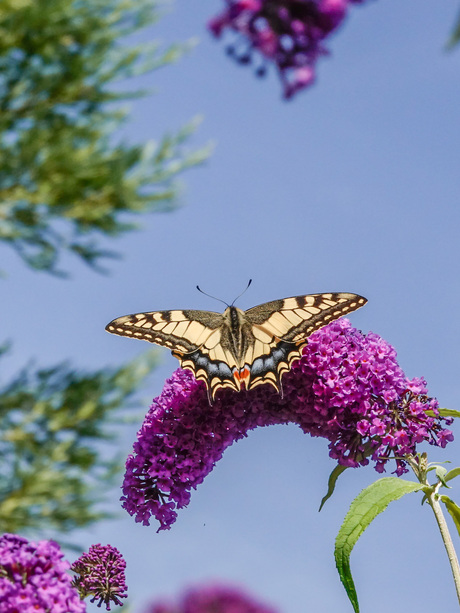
{"points": [[239, 349]]}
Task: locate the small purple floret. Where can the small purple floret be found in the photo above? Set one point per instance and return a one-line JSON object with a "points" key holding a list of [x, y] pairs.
{"points": [[33, 577], [101, 573], [213, 599], [287, 33], [347, 388]]}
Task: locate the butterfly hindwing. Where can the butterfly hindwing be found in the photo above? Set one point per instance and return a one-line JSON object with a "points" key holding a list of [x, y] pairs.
{"points": [[237, 348], [206, 366]]}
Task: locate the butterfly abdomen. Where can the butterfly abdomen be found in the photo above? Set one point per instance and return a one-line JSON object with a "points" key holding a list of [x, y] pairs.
{"points": [[232, 338]]}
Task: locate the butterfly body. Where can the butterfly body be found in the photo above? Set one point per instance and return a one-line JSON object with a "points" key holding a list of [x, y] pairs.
{"points": [[239, 349]]}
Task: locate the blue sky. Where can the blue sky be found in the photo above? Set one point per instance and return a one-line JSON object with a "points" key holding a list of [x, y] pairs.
{"points": [[352, 186]]}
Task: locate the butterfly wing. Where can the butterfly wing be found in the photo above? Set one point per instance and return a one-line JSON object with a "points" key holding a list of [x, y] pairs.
{"points": [[281, 329], [273, 336], [194, 338]]}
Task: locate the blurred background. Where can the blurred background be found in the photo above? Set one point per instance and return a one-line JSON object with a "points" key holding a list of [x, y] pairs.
{"points": [[351, 186]]}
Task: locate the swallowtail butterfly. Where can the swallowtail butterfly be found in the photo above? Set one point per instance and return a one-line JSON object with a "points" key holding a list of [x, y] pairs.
{"points": [[239, 349]]}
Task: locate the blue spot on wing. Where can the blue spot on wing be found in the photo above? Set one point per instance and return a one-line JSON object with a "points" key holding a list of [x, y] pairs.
{"points": [[214, 369], [269, 363]]}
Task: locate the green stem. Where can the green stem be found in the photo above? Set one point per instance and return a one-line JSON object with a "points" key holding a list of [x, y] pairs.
{"points": [[433, 501], [420, 467]]}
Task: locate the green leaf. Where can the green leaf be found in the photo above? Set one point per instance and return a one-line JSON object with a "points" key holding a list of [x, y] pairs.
{"points": [[455, 472], [454, 511], [441, 473], [364, 508], [443, 413], [455, 35], [335, 474]]}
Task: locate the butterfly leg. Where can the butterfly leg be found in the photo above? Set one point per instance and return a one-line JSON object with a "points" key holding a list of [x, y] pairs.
{"points": [[280, 388]]}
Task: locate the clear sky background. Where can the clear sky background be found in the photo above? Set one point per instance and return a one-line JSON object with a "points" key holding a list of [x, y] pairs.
{"points": [[352, 186]]}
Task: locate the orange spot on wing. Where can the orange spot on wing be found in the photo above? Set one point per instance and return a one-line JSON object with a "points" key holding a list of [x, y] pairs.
{"points": [[242, 375]]}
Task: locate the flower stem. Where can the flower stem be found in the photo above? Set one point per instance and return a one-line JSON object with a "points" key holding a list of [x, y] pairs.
{"points": [[420, 466], [433, 501]]}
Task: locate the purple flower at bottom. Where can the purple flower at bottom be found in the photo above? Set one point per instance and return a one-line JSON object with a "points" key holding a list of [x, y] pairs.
{"points": [[287, 33], [33, 577], [213, 599], [347, 388], [101, 574]]}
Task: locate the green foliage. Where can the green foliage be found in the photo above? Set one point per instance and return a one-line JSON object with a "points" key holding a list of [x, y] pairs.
{"points": [[54, 466], [441, 473], [444, 413], [455, 35], [363, 510], [335, 474], [451, 506], [454, 511], [64, 182], [455, 472], [338, 470]]}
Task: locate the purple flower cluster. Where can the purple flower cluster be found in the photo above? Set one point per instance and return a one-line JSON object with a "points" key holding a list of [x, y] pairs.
{"points": [[288, 33], [101, 574], [33, 577], [347, 388], [213, 599]]}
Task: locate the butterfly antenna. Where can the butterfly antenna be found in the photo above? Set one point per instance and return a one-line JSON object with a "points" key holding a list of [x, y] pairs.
{"points": [[250, 281], [200, 290]]}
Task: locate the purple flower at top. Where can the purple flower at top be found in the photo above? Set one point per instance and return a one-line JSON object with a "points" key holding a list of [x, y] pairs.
{"points": [[347, 388], [287, 33], [101, 574], [212, 599], [33, 577]]}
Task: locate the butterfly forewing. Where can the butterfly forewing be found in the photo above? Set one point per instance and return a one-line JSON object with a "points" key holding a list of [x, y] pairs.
{"points": [[183, 331], [239, 349], [294, 319], [287, 324]]}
